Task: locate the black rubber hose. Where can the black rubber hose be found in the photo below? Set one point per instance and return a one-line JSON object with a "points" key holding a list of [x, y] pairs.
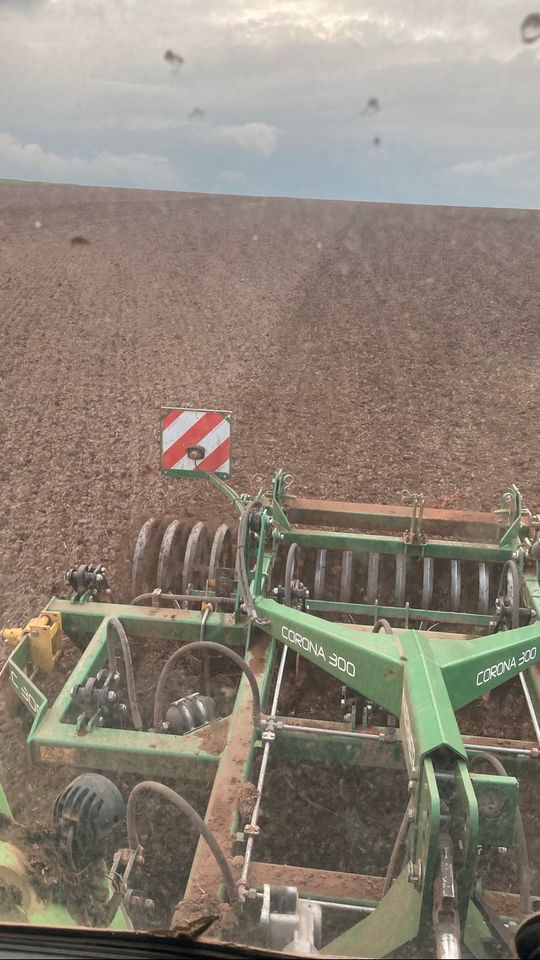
{"points": [[113, 624], [207, 645], [243, 578], [521, 841], [197, 821], [382, 624]]}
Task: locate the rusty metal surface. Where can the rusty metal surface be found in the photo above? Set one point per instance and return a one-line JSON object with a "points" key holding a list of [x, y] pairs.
{"points": [[222, 810], [333, 885], [374, 516]]}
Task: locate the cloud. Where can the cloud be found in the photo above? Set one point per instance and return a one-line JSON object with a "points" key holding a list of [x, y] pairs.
{"points": [[492, 168], [254, 137], [30, 160], [282, 84]]}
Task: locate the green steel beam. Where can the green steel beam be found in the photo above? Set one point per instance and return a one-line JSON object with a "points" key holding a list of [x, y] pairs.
{"points": [[472, 668], [82, 620], [378, 516], [363, 543], [426, 717], [395, 922], [368, 663], [377, 610]]}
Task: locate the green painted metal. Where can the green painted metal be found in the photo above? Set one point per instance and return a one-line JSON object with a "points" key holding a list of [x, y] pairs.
{"points": [[239, 501], [427, 719], [377, 610], [368, 663], [34, 700], [472, 668], [497, 831], [380, 933], [478, 938], [34, 910], [420, 678], [5, 809], [396, 546], [148, 622], [463, 805]]}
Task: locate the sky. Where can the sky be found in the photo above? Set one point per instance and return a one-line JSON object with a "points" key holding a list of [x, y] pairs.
{"points": [[270, 98]]}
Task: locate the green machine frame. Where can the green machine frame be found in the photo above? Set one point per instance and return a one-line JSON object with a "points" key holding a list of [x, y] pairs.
{"points": [[418, 677]]}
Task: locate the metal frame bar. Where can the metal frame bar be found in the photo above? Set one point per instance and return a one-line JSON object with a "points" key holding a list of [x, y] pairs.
{"points": [[419, 677]]}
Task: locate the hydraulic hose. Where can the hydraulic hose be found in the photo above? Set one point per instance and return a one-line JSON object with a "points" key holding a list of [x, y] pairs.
{"points": [[168, 794], [521, 841], [243, 577], [207, 645], [115, 627], [382, 624]]}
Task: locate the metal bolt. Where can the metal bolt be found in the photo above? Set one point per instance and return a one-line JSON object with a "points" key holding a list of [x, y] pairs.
{"points": [[414, 872], [111, 696], [251, 894], [252, 830], [502, 850], [282, 536]]}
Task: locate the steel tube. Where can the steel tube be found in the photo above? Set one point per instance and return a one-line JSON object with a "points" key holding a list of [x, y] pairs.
{"points": [[194, 597], [242, 883], [514, 751], [330, 732], [332, 904], [530, 705]]}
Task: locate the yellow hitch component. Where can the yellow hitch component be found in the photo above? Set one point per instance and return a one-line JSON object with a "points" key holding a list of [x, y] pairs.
{"points": [[46, 639], [12, 636]]}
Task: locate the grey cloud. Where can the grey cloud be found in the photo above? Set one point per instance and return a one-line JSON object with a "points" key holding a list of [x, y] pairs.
{"points": [[281, 91]]}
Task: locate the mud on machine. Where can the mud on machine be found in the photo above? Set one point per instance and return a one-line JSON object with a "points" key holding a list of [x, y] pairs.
{"points": [[417, 612]]}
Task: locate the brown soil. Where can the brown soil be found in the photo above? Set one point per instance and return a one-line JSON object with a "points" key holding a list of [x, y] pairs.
{"points": [[365, 348]]}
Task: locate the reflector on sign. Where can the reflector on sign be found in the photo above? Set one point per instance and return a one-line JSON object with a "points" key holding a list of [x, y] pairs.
{"points": [[195, 442]]}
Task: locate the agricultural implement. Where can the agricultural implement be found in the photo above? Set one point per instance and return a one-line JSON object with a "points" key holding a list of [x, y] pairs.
{"points": [[416, 612]]}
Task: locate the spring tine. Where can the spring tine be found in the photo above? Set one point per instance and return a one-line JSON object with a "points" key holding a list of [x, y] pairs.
{"points": [[483, 588], [320, 574], [346, 576], [455, 585], [346, 580], [373, 577], [427, 583], [401, 577]]}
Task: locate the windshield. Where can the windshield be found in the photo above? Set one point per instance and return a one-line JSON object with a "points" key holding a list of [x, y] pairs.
{"points": [[269, 538]]}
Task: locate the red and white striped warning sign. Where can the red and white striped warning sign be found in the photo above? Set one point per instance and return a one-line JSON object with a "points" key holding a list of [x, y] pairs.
{"points": [[196, 440]]}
